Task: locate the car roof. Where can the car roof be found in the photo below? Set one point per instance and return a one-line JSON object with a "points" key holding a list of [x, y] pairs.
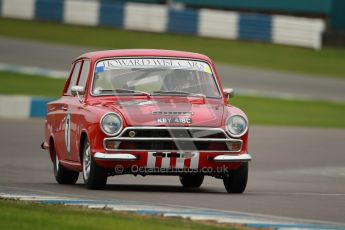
{"points": [[143, 53]]}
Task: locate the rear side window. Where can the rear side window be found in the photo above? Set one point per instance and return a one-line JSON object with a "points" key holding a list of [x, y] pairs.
{"points": [[74, 77], [84, 73]]}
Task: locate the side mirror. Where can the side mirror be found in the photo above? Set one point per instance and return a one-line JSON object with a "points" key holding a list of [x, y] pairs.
{"points": [[78, 90], [228, 93]]}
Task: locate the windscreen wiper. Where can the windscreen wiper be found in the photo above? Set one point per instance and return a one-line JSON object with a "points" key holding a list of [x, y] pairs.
{"points": [[121, 90], [180, 93], [171, 92]]}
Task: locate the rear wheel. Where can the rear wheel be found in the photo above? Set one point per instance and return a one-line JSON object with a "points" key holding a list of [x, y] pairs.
{"points": [[95, 177], [191, 180], [235, 181], [62, 174]]}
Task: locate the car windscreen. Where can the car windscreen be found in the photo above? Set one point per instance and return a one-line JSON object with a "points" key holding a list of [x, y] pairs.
{"points": [[152, 76]]}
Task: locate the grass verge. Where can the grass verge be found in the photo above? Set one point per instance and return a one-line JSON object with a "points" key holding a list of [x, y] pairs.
{"points": [[263, 111], [268, 111], [23, 84], [327, 62], [27, 216]]}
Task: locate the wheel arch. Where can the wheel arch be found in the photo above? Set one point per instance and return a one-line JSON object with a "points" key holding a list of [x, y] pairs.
{"points": [[83, 138], [52, 147]]}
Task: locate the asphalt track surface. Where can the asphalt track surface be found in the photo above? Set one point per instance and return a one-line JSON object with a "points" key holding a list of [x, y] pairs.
{"points": [[296, 172], [244, 80]]}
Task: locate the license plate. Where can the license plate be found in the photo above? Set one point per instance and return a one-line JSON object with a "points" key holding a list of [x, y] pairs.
{"points": [[173, 154], [174, 120]]}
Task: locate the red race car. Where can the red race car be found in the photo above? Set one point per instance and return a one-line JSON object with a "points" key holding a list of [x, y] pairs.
{"points": [[146, 112]]}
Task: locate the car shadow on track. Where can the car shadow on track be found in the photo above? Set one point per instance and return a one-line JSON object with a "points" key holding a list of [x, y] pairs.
{"points": [[156, 189]]}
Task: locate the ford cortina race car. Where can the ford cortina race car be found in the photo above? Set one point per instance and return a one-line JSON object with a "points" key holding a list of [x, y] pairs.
{"points": [[146, 112]]}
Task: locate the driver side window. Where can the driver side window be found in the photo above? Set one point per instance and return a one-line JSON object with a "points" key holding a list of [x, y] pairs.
{"points": [[74, 77]]}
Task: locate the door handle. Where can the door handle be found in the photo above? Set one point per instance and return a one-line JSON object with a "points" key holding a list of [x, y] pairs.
{"points": [[64, 108]]}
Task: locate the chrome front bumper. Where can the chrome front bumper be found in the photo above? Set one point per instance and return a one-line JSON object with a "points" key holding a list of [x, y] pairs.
{"points": [[233, 158], [115, 157], [131, 157]]}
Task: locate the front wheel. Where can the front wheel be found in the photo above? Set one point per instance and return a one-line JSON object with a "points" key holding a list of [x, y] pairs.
{"points": [[95, 177], [191, 180], [61, 174], [235, 181]]}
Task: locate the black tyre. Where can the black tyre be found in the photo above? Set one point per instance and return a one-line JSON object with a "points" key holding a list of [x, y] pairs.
{"points": [[95, 177], [235, 181], [191, 180], [63, 175]]}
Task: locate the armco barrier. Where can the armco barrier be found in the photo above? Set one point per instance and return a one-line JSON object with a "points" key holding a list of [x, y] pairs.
{"points": [[23, 106], [288, 30], [297, 31], [333, 10], [218, 24], [255, 27], [81, 12], [111, 15], [145, 17], [21, 9], [49, 10], [183, 21]]}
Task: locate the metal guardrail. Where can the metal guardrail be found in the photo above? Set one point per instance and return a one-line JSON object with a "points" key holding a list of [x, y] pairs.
{"points": [[278, 29]]}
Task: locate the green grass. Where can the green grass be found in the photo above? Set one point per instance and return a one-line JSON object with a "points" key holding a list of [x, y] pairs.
{"points": [[327, 62], [263, 111], [32, 216], [266, 111], [23, 84]]}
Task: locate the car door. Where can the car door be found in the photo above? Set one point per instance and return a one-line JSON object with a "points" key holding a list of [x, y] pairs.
{"points": [[65, 106], [77, 113]]}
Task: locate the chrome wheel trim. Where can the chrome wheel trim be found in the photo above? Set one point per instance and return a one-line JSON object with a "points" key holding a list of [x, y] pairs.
{"points": [[87, 162], [56, 163]]}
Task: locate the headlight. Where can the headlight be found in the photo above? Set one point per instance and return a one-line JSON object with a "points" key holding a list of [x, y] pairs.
{"points": [[111, 124], [236, 125]]}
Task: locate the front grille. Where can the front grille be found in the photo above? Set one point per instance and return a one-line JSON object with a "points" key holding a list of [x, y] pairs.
{"points": [[173, 139], [175, 133], [173, 145]]}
